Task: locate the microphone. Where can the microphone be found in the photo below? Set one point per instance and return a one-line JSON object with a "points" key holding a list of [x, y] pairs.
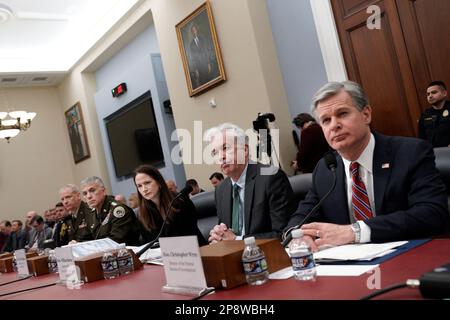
{"points": [[331, 163], [184, 192]]}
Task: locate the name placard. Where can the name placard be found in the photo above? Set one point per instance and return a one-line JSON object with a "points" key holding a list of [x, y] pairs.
{"points": [[22, 265], [182, 265], [69, 273]]}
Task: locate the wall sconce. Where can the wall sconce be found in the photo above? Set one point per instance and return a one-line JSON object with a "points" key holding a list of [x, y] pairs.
{"points": [[11, 123]]}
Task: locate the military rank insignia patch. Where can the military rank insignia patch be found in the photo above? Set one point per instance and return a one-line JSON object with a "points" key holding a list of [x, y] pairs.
{"points": [[119, 212]]}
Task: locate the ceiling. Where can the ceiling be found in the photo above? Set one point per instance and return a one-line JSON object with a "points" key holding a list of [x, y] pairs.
{"points": [[42, 39]]}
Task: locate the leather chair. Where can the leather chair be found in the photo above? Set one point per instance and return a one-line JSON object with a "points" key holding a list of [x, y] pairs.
{"points": [[443, 165], [300, 184], [205, 205]]}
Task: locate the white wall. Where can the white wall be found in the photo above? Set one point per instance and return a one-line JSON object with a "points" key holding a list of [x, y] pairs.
{"points": [[36, 163], [133, 65]]}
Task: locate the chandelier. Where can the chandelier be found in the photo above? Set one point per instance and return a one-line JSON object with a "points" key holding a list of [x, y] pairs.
{"points": [[11, 123]]}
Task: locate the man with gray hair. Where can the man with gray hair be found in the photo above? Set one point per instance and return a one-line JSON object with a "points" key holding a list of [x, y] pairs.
{"points": [[78, 220], [387, 188], [254, 200], [113, 220]]}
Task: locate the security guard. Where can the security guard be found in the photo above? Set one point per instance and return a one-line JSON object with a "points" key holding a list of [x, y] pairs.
{"points": [[113, 220], [434, 123]]}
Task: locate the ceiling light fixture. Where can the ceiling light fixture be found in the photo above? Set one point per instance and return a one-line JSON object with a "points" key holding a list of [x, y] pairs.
{"points": [[11, 123], [5, 13]]}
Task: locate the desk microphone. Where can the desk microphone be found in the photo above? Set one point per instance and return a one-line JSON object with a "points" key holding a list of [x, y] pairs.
{"points": [[184, 192], [331, 163]]}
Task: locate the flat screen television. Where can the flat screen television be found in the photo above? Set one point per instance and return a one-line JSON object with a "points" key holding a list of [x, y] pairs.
{"points": [[133, 136]]}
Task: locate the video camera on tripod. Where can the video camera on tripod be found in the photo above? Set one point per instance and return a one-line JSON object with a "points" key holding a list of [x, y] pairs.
{"points": [[261, 126]]}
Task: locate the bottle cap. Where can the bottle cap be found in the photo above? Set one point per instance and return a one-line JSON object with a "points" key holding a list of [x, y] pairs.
{"points": [[249, 240], [297, 233]]}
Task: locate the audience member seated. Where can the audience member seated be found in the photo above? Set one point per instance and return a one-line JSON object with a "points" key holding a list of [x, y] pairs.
{"points": [[388, 188], [6, 242], [313, 144], [28, 227], [120, 198], [18, 235], [112, 219], [154, 203], [255, 200], [39, 234], [133, 202], [172, 186], [195, 187], [216, 178]]}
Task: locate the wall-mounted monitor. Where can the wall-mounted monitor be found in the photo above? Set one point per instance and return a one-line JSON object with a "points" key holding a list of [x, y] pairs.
{"points": [[133, 136]]}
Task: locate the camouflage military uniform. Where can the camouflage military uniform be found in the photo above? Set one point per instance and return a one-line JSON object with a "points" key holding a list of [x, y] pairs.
{"points": [[117, 222]]}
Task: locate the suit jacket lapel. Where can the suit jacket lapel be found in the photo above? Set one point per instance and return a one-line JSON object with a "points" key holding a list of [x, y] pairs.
{"points": [[340, 191], [382, 164], [248, 196], [227, 203]]}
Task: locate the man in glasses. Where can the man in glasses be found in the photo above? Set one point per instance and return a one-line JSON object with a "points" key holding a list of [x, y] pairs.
{"points": [[254, 200]]}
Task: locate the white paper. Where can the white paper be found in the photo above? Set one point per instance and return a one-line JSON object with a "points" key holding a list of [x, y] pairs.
{"points": [[343, 270], [82, 249], [22, 265], [327, 270], [366, 251], [151, 256], [182, 262], [282, 274]]}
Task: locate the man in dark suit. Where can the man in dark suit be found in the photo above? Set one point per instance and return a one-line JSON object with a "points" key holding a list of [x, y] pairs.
{"points": [[254, 200], [387, 188]]}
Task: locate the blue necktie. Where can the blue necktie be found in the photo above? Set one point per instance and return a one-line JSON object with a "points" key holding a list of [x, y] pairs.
{"points": [[237, 220]]}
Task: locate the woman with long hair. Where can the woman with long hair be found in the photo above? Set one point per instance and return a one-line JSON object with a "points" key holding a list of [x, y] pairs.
{"points": [[154, 204]]}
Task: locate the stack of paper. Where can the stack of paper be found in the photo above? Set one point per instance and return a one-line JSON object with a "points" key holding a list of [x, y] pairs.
{"points": [[366, 251]]}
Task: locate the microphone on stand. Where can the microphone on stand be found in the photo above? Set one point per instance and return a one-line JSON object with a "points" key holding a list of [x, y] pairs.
{"points": [[184, 192], [331, 163]]}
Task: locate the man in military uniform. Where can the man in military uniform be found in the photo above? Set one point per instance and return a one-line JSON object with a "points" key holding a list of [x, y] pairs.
{"points": [[434, 123], [77, 218], [114, 220]]}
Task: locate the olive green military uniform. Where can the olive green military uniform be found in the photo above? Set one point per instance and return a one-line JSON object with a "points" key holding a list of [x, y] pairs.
{"points": [[76, 227], [117, 222]]}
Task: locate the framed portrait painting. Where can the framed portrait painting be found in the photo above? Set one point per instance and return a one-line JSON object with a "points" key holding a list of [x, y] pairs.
{"points": [[77, 133], [200, 51]]}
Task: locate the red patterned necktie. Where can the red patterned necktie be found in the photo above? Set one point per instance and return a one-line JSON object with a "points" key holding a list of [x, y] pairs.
{"points": [[360, 199]]}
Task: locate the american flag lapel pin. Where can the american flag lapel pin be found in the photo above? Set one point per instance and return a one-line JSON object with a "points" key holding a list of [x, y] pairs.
{"points": [[385, 166]]}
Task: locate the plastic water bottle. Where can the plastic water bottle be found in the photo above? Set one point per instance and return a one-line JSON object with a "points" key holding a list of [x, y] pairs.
{"points": [[124, 260], [109, 265], [14, 263], [302, 257], [254, 262], [52, 263]]}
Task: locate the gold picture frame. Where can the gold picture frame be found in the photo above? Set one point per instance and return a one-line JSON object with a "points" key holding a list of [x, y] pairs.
{"points": [[77, 133], [200, 51]]}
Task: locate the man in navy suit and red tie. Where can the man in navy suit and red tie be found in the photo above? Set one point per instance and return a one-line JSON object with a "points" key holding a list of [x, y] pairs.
{"points": [[387, 188]]}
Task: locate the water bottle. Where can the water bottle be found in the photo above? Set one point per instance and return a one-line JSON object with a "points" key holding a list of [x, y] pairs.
{"points": [[302, 257], [14, 263], [52, 263], [109, 265], [124, 260], [254, 262]]}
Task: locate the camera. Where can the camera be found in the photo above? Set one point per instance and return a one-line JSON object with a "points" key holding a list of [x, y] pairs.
{"points": [[262, 121]]}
